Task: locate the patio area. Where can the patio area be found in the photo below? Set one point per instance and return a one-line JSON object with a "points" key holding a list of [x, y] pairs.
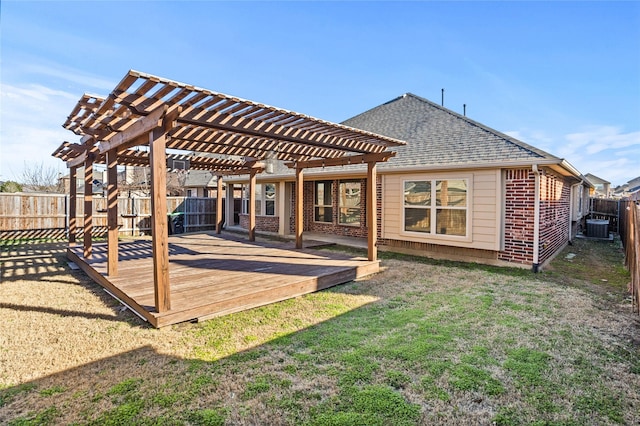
{"points": [[213, 275]]}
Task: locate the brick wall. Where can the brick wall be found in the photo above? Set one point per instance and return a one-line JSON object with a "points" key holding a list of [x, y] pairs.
{"points": [[518, 216], [263, 223], [555, 200], [334, 227]]}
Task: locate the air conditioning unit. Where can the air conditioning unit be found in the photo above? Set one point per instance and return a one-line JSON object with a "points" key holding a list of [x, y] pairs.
{"points": [[597, 228]]}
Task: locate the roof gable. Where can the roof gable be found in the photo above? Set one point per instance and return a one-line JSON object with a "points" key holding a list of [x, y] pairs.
{"points": [[438, 136], [200, 179]]}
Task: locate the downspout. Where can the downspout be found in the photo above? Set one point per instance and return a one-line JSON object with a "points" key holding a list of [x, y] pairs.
{"points": [[536, 219], [574, 192]]}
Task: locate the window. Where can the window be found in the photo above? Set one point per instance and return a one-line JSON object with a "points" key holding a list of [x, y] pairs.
{"points": [[270, 199], [436, 206], [265, 198], [349, 202], [258, 199], [323, 202], [189, 193]]}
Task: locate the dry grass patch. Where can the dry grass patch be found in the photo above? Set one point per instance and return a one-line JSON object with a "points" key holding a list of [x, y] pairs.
{"points": [[422, 342]]}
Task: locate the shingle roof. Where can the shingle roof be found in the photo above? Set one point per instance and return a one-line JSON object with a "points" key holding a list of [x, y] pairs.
{"points": [[436, 136], [200, 179], [595, 179]]}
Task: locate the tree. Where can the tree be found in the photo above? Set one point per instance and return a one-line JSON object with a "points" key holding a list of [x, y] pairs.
{"points": [[38, 178], [10, 186]]}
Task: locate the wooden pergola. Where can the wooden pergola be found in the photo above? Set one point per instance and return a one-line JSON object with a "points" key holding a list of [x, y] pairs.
{"points": [[214, 132]]}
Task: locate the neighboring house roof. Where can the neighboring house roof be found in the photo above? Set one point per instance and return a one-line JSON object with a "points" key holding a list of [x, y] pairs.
{"points": [[596, 180], [200, 179], [634, 182]]}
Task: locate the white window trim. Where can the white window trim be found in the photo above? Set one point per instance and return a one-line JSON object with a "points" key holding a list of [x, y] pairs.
{"points": [[432, 235]]}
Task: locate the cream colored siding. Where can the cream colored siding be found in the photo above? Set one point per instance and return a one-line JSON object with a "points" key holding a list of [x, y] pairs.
{"points": [[484, 208]]}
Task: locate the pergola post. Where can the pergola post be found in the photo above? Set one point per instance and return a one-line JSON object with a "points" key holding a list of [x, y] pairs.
{"points": [[219, 205], [372, 212], [159, 230], [112, 213], [230, 200], [88, 205], [281, 199], [252, 205], [73, 199], [299, 205]]}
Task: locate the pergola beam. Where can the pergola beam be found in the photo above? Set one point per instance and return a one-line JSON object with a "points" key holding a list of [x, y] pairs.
{"points": [[140, 128]]}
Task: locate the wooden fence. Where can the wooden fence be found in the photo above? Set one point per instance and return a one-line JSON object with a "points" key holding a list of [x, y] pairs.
{"points": [[630, 236], [33, 216], [603, 208], [45, 215]]}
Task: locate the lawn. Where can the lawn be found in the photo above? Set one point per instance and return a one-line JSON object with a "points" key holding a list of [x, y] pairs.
{"points": [[424, 342]]}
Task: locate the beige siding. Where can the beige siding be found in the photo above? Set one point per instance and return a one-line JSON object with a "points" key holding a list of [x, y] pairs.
{"points": [[484, 209]]}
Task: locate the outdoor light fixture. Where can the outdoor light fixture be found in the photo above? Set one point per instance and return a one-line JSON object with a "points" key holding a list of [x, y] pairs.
{"points": [[270, 162]]}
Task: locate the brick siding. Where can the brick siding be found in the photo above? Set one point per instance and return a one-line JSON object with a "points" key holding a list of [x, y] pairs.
{"points": [[555, 200], [263, 223], [518, 216], [334, 227]]}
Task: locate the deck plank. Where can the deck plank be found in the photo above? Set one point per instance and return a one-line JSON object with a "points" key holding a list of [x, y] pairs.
{"points": [[212, 275]]}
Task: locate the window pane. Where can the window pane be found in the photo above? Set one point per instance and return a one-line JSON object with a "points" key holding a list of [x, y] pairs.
{"points": [[320, 193], [350, 216], [324, 193], [349, 203], [451, 193], [451, 222], [270, 191], [417, 220], [324, 214], [270, 208], [417, 193]]}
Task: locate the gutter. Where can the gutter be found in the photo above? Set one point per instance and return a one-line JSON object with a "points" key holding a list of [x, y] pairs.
{"points": [[536, 220]]}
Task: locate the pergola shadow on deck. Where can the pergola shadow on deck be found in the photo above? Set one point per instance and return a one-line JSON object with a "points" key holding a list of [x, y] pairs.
{"points": [[145, 116], [214, 275]]}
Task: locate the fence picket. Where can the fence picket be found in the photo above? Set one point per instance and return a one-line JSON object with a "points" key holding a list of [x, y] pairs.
{"points": [[45, 215]]}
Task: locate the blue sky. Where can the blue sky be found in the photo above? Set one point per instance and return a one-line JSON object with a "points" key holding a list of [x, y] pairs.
{"points": [[563, 76]]}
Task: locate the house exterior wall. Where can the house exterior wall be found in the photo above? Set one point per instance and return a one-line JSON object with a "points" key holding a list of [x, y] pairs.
{"points": [[483, 204], [333, 227], [554, 221], [263, 223], [555, 206], [519, 211], [501, 215]]}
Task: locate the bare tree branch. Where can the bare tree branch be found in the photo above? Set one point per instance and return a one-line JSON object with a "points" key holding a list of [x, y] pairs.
{"points": [[36, 177]]}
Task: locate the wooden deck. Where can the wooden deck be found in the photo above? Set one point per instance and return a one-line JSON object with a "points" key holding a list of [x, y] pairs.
{"points": [[213, 275]]}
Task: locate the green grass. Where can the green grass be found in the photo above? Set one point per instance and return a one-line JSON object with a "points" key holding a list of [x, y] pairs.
{"points": [[444, 342]]}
